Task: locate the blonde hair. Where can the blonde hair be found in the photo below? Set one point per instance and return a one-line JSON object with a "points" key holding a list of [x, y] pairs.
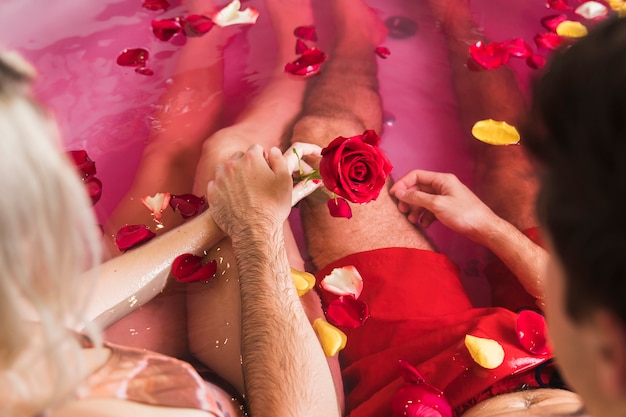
{"points": [[49, 239]]}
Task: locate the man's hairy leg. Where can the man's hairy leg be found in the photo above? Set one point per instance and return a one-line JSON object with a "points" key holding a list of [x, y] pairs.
{"points": [[344, 101]]}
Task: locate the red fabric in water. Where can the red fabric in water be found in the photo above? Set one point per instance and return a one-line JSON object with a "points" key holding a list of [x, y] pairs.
{"points": [[420, 313]]}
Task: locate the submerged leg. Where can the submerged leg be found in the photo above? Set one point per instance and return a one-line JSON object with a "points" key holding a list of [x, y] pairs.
{"points": [[344, 101]]}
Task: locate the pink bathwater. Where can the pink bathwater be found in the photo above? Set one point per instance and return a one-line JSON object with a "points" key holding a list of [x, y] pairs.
{"points": [[107, 109]]}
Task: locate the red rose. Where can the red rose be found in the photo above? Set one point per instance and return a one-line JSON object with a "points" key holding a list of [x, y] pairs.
{"points": [[355, 168]]}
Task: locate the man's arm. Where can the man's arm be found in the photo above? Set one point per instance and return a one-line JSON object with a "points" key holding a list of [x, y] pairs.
{"points": [[425, 196], [285, 369]]}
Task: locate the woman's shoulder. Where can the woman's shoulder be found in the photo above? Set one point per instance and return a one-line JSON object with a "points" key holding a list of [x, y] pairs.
{"points": [[113, 407]]}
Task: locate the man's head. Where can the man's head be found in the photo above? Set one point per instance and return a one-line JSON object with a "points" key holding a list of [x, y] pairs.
{"points": [[577, 133]]}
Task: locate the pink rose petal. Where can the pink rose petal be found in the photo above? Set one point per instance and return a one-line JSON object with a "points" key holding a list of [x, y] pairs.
{"points": [[136, 57], [551, 22], [85, 165], [144, 71], [343, 281], [383, 52], [155, 5], [517, 48], [418, 398], [536, 61], [157, 203], [549, 41], [339, 207], [94, 189], [346, 311], [300, 46], [189, 268], [592, 10], [189, 205], [231, 15], [165, 29], [133, 235], [532, 332], [489, 56], [560, 5], [306, 33], [196, 25], [308, 64]]}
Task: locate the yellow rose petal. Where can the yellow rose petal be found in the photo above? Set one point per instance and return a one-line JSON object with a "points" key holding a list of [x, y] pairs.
{"points": [[303, 281], [615, 4], [495, 132], [486, 352], [331, 338], [571, 29]]}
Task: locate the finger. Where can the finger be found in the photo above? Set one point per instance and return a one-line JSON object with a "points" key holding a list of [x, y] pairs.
{"points": [[301, 149], [427, 219], [403, 207], [278, 163], [416, 177], [417, 198], [237, 155], [303, 189]]}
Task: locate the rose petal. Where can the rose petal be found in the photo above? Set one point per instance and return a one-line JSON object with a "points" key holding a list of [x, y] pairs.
{"points": [[303, 281], [343, 281], [155, 5], [549, 41], [517, 48], [560, 5], [486, 352], [196, 25], [331, 338], [308, 64], [305, 32], [301, 46], [132, 235], [495, 132], [571, 29], [144, 71], [94, 189], [536, 61], [592, 10], [157, 203], [136, 57], [551, 22], [165, 29], [231, 15], [189, 205], [418, 398], [616, 5], [489, 56], [85, 165], [189, 268], [532, 332], [346, 311], [382, 52], [338, 207]]}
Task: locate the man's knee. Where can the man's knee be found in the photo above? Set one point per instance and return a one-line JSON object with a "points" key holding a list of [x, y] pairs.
{"points": [[322, 129]]}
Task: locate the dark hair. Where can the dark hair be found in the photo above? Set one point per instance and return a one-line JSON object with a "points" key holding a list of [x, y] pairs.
{"points": [[576, 131]]}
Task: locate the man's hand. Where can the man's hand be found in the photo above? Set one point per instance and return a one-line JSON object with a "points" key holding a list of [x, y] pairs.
{"points": [[250, 192], [426, 196]]}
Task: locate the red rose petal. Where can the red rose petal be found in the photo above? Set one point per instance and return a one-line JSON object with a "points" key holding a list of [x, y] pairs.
{"points": [[85, 165], [536, 61], [560, 5], [489, 56], [188, 268], [94, 189], [418, 398], [196, 25], [144, 71], [308, 64], [165, 29], [189, 205], [136, 57], [551, 22], [532, 332], [132, 235], [305, 32], [155, 5], [301, 46], [382, 52], [338, 207], [549, 41], [517, 48], [346, 311]]}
